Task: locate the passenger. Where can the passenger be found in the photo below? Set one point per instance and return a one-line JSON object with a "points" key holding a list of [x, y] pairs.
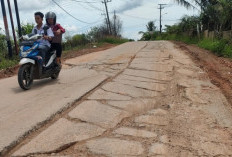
{"points": [[58, 30]]}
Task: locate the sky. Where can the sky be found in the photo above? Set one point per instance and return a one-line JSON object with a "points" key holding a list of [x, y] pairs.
{"points": [[79, 16]]}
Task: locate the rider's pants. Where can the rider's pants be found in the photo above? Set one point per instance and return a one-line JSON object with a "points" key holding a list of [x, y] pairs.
{"points": [[43, 49]]}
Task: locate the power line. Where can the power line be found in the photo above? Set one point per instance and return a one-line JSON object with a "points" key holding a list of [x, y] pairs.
{"points": [[88, 26], [69, 13], [92, 6], [86, 1], [70, 4], [137, 17]]}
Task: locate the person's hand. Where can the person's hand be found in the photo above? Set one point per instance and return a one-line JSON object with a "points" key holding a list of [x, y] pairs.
{"points": [[58, 32], [47, 37]]}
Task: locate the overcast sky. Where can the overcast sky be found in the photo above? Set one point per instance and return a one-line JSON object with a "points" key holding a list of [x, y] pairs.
{"points": [[134, 14]]}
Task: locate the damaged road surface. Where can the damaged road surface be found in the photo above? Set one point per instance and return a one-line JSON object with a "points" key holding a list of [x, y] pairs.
{"points": [[137, 99]]}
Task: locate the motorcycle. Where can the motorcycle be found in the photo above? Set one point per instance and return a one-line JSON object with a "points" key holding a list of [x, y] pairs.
{"points": [[31, 64]]}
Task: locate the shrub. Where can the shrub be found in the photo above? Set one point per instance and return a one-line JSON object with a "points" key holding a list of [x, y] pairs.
{"points": [[114, 40]]}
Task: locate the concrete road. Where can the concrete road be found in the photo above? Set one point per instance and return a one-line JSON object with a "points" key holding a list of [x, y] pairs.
{"points": [[137, 99], [23, 111]]}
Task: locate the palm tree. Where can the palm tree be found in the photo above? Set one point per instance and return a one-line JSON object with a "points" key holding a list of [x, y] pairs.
{"points": [[185, 3], [151, 26], [150, 30]]}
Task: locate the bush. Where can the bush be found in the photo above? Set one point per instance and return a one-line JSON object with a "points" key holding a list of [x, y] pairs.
{"points": [[227, 51], [183, 38], [219, 47], [79, 39], [74, 41], [6, 63], [114, 40]]}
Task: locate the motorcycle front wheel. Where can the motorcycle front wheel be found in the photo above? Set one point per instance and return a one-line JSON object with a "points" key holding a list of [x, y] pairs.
{"points": [[25, 78]]}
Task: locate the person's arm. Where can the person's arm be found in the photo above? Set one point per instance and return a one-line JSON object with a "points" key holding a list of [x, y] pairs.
{"points": [[49, 35], [61, 28]]}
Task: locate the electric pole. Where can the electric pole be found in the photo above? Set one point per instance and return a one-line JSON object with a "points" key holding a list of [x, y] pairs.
{"points": [[161, 7], [18, 19], [107, 13], [114, 27], [6, 29], [13, 30]]}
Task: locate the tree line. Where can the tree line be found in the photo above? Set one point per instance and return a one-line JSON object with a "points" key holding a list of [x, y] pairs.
{"points": [[214, 15]]}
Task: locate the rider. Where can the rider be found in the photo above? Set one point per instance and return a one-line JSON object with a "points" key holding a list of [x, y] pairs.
{"points": [[58, 30], [41, 29]]}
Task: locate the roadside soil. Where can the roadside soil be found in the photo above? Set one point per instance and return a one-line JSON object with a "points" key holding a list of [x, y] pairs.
{"points": [[9, 72], [219, 69]]}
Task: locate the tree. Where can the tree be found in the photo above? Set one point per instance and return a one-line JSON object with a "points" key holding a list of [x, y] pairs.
{"points": [[150, 31], [215, 14], [184, 3], [99, 32], [151, 26], [3, 44], [116, 26], [27, 28]]}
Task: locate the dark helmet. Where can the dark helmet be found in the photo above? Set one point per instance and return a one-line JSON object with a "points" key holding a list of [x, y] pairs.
{"points": [[51, 15]]}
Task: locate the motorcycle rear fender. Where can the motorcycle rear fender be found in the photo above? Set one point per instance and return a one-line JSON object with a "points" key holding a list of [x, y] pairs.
{"points": [[26, 60]]}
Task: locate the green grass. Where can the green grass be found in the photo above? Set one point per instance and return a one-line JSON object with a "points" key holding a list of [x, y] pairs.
{"points": [[219, 47], [7, 63], [185, 39]]}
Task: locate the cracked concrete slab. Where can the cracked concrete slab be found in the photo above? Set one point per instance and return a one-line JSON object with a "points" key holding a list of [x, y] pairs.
{"points": [[158, 112], [150, 119], [129, 90], [158, 149], [22, 111], [159, 67], [61, 133], [214, 149], [134, 105], [159, 87], [115, 147], [104, 95], [135, 132], [135, 78], [148, 74], [186, 72], [195, 95], [99, 114]]}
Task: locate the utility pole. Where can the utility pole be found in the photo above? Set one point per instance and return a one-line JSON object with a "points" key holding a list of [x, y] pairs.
{"points": [[107, 13], [13, 30], [18, 19], [114, 29], [6, 29], [161, 7]]}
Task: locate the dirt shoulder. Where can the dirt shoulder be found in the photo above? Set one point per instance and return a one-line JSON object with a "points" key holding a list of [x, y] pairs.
{"points": [[219, 69], [9, 72]]}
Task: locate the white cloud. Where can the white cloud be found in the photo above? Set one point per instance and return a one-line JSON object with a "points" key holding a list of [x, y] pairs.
{"points": [[32, 5], [141, 10], [71, 28]]}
